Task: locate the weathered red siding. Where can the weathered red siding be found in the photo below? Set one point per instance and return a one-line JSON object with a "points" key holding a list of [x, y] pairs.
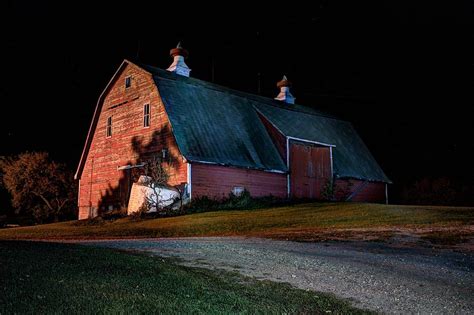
{"points": [[218, 181], [364, 191], [310, 170], [101, 184], [278, 138]]}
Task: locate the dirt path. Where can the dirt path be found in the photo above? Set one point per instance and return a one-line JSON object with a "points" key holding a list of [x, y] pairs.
{"points": [[371, 275]]}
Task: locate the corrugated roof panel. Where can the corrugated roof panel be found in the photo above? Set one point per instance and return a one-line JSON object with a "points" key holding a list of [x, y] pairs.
{"points": [[219, 125]]}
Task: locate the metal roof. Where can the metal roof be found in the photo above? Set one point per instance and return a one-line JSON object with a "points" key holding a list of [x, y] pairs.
{"points": [[218, 125], [351, 157]]}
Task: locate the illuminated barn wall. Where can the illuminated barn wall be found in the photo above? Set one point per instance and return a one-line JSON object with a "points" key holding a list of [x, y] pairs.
{"points": [[218, 181], [101, 184]]}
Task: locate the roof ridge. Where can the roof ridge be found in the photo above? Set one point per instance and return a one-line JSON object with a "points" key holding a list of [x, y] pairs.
{"points": [[259, 98]]}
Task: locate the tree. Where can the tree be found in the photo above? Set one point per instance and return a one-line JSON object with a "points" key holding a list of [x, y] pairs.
{"points": [[38, 186], [5, 206]]}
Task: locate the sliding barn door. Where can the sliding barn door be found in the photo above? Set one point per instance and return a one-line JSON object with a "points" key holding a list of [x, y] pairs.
{"points": [[310, 170]]}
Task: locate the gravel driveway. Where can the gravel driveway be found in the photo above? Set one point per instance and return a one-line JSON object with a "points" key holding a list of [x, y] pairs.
{"points": [[371, 275]]}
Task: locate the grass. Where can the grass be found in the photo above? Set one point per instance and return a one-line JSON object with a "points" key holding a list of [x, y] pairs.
{"points": [[296, 222], [37, 277]]}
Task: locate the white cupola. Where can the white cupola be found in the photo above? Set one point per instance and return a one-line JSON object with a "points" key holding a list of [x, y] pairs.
{"points": [[285, 94], [179, 66]]}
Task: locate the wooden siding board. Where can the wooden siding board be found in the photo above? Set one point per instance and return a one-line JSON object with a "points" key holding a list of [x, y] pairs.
{"points": [[217, 181], [370, 192], [278, 139]]}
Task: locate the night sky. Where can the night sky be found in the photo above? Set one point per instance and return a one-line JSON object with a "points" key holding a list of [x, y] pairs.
{"points": [[402, 73]]}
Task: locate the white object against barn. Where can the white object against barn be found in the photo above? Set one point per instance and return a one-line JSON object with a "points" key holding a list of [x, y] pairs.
{"points": [[140, 193]]}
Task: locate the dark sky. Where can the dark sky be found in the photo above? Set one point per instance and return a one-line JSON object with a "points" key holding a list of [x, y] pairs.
{"points": [[402, 73]]}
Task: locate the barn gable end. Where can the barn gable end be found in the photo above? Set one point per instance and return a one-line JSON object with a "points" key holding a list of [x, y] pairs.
{"points": [[105, 169]]}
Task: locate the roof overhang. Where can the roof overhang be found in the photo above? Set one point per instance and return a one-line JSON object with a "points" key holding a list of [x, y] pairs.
{"points": [[312, 142], [337, 176], [236, 166]]}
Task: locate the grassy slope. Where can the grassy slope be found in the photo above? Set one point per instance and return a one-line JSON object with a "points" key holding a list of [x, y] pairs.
{"points": [[295, 222], [40, 277]]}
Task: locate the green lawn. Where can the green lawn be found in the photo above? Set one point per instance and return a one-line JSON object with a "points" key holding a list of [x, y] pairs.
{"points": [[298, 222], [40, 278]]}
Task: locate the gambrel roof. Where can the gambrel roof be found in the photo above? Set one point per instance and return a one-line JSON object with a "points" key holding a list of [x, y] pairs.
{"points": [[218, 125]]}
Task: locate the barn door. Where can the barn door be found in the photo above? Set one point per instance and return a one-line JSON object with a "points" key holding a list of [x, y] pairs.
{"points": [[310, 169], [125, 186]]}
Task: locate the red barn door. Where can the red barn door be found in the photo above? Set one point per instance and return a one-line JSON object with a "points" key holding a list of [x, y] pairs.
{"points": [[310, 169]]}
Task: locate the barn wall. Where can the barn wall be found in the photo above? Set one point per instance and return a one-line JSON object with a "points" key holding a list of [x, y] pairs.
{"points": [[218, 181], [101, 184], [369, 191], [278, 139]]}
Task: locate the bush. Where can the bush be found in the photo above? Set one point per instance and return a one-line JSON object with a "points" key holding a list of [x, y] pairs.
{"points": [[90, 222], [327, 192], [114, 214], [233, 202]]}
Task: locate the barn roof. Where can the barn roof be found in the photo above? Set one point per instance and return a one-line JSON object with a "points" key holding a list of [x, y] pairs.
{"points": [[214, 124], [219, 125], [351, 157], [216, 127]]}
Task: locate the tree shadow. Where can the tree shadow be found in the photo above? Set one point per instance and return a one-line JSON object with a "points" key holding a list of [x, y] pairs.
{"points": [[115, 197]]}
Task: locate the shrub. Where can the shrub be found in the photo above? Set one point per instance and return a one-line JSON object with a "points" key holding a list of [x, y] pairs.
{"points": [[327, 191], [233, 202], [114, 214]]}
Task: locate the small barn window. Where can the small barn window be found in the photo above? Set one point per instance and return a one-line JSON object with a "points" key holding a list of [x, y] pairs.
{"points": [[128, 82], [164, 153], [109, 127], [146, 115]]}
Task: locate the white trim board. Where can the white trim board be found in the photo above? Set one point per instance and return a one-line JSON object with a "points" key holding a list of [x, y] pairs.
{"points": [[311, 141]]}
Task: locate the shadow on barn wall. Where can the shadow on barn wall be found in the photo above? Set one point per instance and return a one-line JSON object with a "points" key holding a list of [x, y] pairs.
{"points": [[116, 196]]}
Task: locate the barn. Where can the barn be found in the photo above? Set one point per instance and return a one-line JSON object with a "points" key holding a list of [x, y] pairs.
{"points": [[217, 140]]}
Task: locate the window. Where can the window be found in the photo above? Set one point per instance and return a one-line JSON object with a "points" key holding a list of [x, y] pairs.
{"points": [[128, 82], [164, 153], [109, 127], [146, 115]]}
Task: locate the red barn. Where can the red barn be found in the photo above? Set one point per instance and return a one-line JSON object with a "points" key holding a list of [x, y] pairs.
{"points": [[218, 140]]}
